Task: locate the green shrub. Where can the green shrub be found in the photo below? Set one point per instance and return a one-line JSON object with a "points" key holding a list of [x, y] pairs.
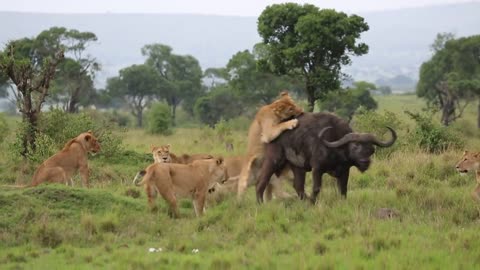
{"points": [[3, 127], [159, 119], [376, 123], [431, 136], [57, 127]]}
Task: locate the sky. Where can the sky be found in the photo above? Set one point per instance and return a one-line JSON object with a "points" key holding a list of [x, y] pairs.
{"points": [[210, 7]]}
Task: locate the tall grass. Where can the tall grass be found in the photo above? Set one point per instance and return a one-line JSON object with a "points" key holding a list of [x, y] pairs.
{"points": [[110, 226]]}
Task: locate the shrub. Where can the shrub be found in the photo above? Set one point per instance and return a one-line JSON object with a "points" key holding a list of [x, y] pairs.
{"points": [[56, 127], [159, 119], [3, 127], [431, 135], [376, 123]]}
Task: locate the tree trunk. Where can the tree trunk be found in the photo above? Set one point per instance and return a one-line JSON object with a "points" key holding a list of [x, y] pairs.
{"points": [[140, 118], [72, 104], [174, 112], [29, 138], [448, 111], [310, 96]]}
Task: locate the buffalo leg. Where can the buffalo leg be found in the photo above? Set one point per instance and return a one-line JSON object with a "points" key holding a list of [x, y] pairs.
{"points": [[317, 184], [342, 182], [268, 169], [299, 182]]}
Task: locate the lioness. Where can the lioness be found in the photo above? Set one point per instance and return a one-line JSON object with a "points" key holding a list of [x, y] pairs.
{"points": [[60, 167], [162, 154], [471, 162], [191, 180], [266, 126], [234, 167]]}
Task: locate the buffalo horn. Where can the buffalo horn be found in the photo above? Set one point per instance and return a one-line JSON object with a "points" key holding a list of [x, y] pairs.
{"points": [[360, 137]]}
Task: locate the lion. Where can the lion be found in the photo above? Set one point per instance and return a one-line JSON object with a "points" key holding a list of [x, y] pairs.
{"points": [[266, 126], [234, 166], [162, 154], [60, 167], [470, 161], [182, 180]]}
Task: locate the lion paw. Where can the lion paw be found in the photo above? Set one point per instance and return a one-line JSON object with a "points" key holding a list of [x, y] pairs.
{"points": [[292, 123], [264, 138]]}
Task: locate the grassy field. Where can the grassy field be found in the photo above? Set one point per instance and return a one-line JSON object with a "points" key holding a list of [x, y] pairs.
{"points": [[110, 227]]}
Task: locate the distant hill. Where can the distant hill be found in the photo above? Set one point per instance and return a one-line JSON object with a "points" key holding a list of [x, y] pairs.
{"points": [[399, 40]]}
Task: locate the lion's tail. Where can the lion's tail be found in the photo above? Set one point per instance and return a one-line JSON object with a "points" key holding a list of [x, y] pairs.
{"points": [[136, 180]]}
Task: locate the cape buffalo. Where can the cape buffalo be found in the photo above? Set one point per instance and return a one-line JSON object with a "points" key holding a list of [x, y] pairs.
{"points": [[322, 143]]}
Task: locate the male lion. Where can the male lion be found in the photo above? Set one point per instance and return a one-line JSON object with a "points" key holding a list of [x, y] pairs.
{"points": [[60, 167], [191, 180], [471, 162], [162, 154], [266, 126]]}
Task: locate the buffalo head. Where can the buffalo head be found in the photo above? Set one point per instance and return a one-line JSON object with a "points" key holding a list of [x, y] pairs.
{"points": [[360, 146]]}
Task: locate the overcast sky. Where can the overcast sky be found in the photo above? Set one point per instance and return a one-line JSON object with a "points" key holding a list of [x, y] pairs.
{"points": [[218, 7]]}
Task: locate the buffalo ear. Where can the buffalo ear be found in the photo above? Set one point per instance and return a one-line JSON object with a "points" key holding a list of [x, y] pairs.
{"points": [[88, 137], [220, 161]]}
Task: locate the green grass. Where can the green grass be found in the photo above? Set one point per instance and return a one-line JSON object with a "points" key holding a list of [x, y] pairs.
{"points": [[110, 227]]}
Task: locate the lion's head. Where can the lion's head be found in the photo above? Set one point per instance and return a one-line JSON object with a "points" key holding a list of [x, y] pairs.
{"points": [[88, 141], [285, 108], [161, 154], [469, 161], [217, 169]]}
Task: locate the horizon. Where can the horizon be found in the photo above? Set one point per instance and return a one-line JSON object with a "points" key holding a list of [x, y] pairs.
{"points": [[248, 8]]}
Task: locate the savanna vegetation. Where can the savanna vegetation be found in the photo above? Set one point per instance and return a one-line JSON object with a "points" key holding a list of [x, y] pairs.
{"points": [[411, 209]]}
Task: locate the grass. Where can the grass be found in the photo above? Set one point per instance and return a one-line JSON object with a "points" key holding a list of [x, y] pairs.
{"points": [[110, 226]]}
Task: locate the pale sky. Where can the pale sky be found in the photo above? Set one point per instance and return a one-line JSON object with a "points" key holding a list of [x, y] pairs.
{"points": [[216, 7]]}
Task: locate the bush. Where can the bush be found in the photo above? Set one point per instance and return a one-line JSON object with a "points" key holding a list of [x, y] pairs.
{"points": [[3, 127], [57, 127], [159, 119], [376, 123], [431, 135]]}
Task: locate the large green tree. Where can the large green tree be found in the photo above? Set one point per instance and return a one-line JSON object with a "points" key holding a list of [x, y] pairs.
{"points": [[302, 40], [251, 84], [74, 80], [32, 73], [219, 103], [451, 78], [137, 84], [181, 76], [346, 102]]}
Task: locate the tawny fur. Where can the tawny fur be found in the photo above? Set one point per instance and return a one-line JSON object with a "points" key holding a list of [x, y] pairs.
{"points": [[174, 181], [470, 161], [60, 167], [162, 154], [266, 127]]}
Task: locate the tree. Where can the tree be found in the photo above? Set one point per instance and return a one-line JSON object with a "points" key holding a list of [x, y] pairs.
{"points": [[311, 43], [385, 90], [32, 74], [219, 103], [181, 76], [346, 102], [251, 84], [451, 78], [137, 85], [73, 86], [74, 81]]}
